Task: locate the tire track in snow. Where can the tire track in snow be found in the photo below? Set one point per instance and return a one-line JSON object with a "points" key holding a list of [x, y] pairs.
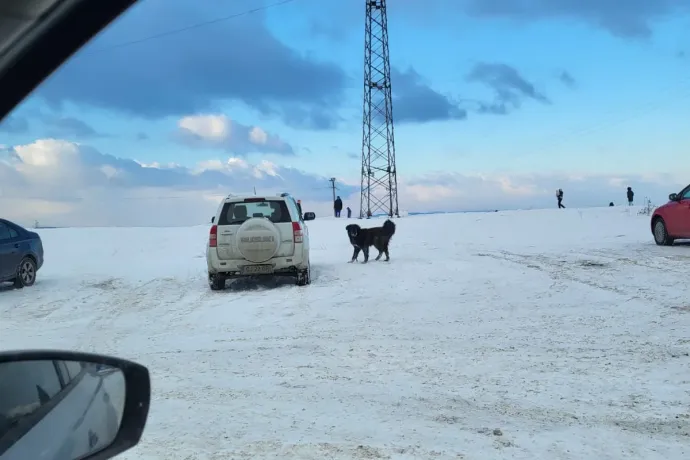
{"points": [[558, 271], [158, 299], [571, 268]]}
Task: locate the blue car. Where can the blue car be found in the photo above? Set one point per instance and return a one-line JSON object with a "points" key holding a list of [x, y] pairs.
{"points": [[21, 254]]}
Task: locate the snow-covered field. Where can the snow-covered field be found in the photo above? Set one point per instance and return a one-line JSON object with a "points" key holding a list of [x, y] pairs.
{"points": [[524, 335]]}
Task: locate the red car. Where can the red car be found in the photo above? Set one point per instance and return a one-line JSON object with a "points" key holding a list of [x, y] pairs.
{"points": [[672, 221]]}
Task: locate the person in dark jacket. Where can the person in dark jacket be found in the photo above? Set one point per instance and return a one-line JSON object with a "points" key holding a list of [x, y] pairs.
{"points": [[559, 197], [631, 196], [338, 206], [349, 212]]}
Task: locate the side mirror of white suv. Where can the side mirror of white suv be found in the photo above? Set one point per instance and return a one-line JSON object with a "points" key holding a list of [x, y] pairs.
{"points": [[309, 216]]}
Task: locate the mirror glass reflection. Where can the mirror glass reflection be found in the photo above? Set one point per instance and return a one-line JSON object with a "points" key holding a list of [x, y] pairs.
{"points": [[58, 410]]}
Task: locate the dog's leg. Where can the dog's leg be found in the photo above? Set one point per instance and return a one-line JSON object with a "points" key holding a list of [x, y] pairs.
{"points": [[355, 254], [366, 254], [378, 257], [385, 249]]}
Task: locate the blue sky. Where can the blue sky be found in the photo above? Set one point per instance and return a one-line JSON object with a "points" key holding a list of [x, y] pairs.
{"points": [[160, 122]]}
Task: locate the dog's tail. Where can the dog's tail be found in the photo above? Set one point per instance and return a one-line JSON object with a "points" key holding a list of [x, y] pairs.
{"points": [[388, 228]]}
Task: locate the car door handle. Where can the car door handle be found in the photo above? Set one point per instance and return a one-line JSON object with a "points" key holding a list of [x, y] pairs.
{"points": [[16, 245]]}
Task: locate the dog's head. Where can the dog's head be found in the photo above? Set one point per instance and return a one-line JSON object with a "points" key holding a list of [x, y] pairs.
{"points": [[353, 230]]}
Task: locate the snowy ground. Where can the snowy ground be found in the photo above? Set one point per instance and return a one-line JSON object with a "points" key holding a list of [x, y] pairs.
{"points": [[565, 330]]}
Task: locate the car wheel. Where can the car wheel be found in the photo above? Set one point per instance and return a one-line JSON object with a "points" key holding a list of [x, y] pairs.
{"points": [[26, 273], [217, 282], [661, 234], [304, 277]]}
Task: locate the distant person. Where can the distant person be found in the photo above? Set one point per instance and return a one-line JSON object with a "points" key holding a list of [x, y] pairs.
{"points": [[349, 212], [631, 196], [559, 197], [337, 206], [299, 208]]}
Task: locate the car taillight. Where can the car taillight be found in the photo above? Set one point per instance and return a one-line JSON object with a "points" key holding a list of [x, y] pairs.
{"points": [[297, 232], [213, 237]]}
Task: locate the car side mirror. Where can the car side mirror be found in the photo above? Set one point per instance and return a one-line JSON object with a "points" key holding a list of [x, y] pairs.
{"points": [[309, 216], [213, 219], [673, 197], [68, 405]]}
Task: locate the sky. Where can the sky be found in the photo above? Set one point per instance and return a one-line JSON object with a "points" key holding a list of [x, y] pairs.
{"points": [[497, 103]]}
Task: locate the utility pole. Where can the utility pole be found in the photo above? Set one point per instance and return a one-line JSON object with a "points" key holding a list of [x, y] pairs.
{"points": [[332, 181], [333, 187], [379, 189]]}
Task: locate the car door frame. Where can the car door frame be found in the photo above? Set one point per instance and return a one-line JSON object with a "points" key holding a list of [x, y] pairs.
{"points": [[675, 213], [682, 214]]}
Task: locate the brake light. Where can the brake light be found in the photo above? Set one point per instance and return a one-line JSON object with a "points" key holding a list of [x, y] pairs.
{"points": [[254, 200], [213, 237], [297, 234]]}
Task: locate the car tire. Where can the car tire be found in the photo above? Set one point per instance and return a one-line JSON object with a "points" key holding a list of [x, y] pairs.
{"points": [[304, 277], [661, 236], [26, 273], [216, 282]]}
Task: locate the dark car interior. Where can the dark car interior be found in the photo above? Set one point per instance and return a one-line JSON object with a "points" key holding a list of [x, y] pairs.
{"points": [[37, 36]]}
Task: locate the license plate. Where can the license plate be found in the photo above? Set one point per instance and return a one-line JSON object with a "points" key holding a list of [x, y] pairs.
{"points": [[257, 269]]}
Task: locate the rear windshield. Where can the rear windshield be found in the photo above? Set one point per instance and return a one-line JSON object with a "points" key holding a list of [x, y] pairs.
{"points": [[236, 213]]}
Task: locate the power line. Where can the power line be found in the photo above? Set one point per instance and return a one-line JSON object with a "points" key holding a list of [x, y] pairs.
{"points": [[651, 107], [192, 27]]}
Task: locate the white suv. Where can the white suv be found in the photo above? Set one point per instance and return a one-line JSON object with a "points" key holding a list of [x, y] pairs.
{"points": [[253, 236]]}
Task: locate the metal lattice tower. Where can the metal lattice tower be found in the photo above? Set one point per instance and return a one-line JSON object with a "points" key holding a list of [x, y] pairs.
{"points": [[379, 192]]}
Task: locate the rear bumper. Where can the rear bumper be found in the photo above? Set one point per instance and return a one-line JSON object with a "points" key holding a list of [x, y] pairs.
{"points": [[282, 266], [287, 271]]}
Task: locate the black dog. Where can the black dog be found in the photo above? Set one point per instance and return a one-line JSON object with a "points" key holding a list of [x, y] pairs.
{"points": [[363, 238]]}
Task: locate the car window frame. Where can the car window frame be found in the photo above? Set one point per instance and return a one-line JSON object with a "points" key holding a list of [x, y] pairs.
{"points": [[3, 226], [683, 193], [294, 210], [18, 230], [49, 42], [223, 219]]}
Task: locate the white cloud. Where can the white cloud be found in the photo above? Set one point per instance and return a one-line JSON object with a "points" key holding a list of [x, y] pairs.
{"points": [[62, 183], [47, 152], [219, 131], [207, 127]]}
